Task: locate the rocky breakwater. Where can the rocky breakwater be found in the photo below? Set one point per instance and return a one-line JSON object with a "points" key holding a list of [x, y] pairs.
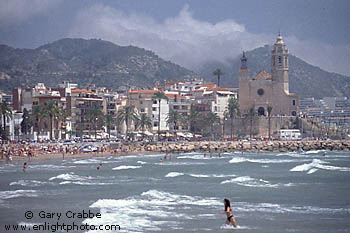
{"points": [[254, 146]]}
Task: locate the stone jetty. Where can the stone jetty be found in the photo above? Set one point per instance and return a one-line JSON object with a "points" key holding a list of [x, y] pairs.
{"points": [[217, 146]]}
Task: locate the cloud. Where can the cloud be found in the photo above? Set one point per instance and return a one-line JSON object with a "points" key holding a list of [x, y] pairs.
{"points": [[14, 11], [191, 42]]}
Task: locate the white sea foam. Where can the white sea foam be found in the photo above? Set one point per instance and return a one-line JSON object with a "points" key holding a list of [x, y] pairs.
{"points": [[174, 174], [263, 161], [312, 170], [124, 167], [18, 193], [141, 162], [84, 183], [277, 208], [70, 176], [137, 213], [30, 183], [230, 227], [316, 163], [89, 161], [252, 182], [194, 156]]}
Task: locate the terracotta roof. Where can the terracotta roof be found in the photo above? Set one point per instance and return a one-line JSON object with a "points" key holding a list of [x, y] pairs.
{"points": [[200, 90], [217, 89], [210, 84], [263, 75], [143, 91], [172, 96], [81, 91]]}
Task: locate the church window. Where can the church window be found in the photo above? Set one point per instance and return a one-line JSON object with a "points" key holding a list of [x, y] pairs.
{"points": [[261, 111], [294, 102], [294, 113], [261, 92], [279, 59]]}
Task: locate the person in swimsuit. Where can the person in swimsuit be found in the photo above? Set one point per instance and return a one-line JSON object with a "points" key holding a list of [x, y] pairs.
{"points": [[24, 167], [99, 166], [228, 211]]}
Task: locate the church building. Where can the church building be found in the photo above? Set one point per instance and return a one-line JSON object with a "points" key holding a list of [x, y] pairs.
{"points": [[268, 90]]}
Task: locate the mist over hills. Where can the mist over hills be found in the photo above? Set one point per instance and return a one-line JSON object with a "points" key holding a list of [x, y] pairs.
{"points": [[106, 64]]}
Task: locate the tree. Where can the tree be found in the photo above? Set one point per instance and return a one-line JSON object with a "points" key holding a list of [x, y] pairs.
{"points": [[127, 115], [159, 96], [144, 122], [61, 118], [212, 118], [26, 123], [51, 111], [233, 112], [36, 116], [95, 116], [173, 118], [193, 119], [218, 73], [109, 121], [251, 114], [269, 111], [6, 113]]}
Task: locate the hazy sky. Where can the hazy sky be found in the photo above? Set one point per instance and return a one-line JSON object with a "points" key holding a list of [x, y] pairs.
{"points": [[188, 32]]}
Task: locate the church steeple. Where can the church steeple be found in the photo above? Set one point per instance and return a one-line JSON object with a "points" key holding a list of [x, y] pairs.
{"points": [[244, 61], [244, 71], [279, 62]]}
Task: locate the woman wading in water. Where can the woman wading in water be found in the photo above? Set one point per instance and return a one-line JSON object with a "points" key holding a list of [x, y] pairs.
{"points": [[228, 211]]}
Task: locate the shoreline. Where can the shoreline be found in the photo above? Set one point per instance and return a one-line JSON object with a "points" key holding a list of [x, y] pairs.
{"points": [[128, 149]]}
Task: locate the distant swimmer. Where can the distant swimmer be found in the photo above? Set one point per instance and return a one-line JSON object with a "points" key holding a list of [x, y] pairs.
{"points": [[161, 160], [324, 153], [99, 166], [228, 211], [24, 167]]}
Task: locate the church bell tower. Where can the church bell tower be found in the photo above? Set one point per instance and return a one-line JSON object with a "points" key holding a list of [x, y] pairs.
{"points": [[279, 63]]}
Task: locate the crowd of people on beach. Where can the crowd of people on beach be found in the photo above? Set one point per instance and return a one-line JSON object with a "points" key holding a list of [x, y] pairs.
{"points": [[8, 151]]}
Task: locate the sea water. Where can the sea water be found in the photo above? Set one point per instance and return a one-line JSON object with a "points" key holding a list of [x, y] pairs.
{"points": [[269, 192]]}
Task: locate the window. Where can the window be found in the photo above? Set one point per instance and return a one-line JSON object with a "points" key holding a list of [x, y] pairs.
{"points": [[154, 109], [141, 102], [294, 113], [294, 102], [184, 107], [176, 107], [155, 102], [155, 124], [142, 110], [279, 59], [260, 92]]}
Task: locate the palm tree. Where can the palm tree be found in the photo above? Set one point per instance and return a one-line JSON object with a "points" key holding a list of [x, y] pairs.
{"points": [[6, 113], [269, 111], [212, 118], [37, 115], [61, 118], [233, 111], [51, 111], [127, 115], [218, 73], [109, 121], [95, 116], [193, 118], [173, 118], [159, 96], [251, 114], [26, 123], [144, 122]]}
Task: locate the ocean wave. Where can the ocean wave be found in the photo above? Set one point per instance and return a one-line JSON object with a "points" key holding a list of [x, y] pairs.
{"points": [[50, 167], [30, 183], [316, 163], [264, 161], [70, 176], [18, 193], [90, 161], [174, 174], [124, 167], [141, 162], [280, 209], [252, 182], [137, 213]]}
